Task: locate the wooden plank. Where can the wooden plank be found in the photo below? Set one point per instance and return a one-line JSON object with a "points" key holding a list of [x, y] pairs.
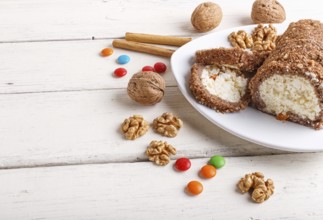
{"points": [[72, 65], [143, 191], [32, 20], [42, 129]]}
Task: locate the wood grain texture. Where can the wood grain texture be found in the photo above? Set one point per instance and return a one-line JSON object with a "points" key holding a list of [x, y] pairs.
{"points": [[42, 129], [66, 66], [145, 191], [33, 20], [61, 105]]}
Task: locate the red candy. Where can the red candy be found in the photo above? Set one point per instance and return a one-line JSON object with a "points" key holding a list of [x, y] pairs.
{"points": [[120, 72], [148, 68], [160, 67], [182, 164]]}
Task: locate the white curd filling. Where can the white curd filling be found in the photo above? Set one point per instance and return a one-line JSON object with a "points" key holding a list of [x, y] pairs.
{"points": [[295, 94], [224, 83]]}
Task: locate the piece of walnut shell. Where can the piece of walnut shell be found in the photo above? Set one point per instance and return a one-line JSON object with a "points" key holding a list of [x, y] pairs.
{"points": [[146, 88], [206, 16], [267, 11]]}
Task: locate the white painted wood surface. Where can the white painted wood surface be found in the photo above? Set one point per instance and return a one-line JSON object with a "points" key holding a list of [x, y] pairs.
{"points": [[144, 191], [79, 66], [83, 127], [83, 19], [60, 105]]}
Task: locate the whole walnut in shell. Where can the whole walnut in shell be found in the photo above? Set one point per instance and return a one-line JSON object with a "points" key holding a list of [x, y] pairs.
{"points": [[267, 11], [146, 88], [206, 16]]}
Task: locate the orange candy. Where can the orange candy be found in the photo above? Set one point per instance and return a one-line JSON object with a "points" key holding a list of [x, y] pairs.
{"points": [[194, 187], [106, 52], [208, 171]]}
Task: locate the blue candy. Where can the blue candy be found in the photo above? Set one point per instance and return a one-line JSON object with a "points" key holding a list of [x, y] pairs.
{"points": [[123, 59]]}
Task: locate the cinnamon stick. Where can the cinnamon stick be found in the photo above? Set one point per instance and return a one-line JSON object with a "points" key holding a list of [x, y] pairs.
{"points": [[157, 39], [141, 47]]}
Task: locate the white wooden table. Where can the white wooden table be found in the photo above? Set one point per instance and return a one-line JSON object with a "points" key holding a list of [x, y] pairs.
{"points": [[62, 156]]}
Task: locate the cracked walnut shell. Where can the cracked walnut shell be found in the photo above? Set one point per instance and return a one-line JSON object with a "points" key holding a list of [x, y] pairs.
{"points": [[134, 127], [167, 124], [159, 152]]}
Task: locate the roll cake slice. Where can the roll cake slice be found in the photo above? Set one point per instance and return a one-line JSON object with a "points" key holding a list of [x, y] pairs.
{"points": [[289, 85], [220, 76]]}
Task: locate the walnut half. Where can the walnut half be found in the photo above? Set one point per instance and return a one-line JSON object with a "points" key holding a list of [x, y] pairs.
{"points": [[240, 39], [262, 189], [167, 124], [264, 38], [134, 127], [159, 152]]}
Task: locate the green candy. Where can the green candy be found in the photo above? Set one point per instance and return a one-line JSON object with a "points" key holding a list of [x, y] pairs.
{"points": [[217, 161]]}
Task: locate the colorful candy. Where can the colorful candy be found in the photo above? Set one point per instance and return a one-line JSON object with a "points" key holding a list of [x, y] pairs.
{"points": [[160, 67], [182, 164], [106, 52], [217, 161], [194, 187], [123, 59], [120, 72], [148, 68], [208, 171]]}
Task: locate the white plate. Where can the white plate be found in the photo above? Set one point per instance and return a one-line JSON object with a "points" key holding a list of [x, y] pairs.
{"points": [[248, 124]]}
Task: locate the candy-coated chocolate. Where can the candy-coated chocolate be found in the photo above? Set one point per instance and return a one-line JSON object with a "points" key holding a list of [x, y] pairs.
{"points": [[208, 171], [182, 164], [217, 161], [106, 52], [148, 68], [160, 67], [120, 72], [194, 187], [123, 59]]}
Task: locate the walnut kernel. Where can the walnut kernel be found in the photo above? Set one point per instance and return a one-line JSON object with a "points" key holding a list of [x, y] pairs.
{"points": [[206, 16], [159, 152], [245, 183], [267, 11], [262, 189], [259, 194], [264, 38], [241, 39], [134, 127], [167, 124]]}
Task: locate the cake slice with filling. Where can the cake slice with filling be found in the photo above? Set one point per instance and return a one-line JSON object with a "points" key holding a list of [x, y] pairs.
{"points": [[220, 76], [289, 85]]}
